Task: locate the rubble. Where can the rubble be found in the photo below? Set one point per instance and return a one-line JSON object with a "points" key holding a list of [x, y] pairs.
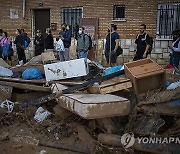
{"points": [[82, 107]]}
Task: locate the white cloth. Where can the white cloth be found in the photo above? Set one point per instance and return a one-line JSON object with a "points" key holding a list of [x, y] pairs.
{"points": [[60, 45]]}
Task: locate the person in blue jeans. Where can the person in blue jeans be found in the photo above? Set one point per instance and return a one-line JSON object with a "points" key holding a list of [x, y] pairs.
{"points": [[82, 43], [176, 48]]}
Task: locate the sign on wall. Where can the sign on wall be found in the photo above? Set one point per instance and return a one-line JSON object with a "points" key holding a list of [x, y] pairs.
{"points": [[14, 14]]}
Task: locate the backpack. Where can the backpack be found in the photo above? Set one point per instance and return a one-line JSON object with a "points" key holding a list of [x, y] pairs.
{"points": [[90, 41], [26, 42]]}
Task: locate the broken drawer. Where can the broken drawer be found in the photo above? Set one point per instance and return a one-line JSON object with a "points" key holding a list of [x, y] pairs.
{"points": [[93, 106]]}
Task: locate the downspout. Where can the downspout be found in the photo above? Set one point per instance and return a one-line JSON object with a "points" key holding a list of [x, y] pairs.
{"points": [[24, 8]]}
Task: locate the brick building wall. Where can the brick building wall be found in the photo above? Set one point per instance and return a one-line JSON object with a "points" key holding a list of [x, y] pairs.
{"points": [[136, 12]]}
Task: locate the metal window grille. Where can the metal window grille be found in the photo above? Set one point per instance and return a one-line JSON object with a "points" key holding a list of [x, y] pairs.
{"points": [[119, 12], [71, 16], [168, 19]]}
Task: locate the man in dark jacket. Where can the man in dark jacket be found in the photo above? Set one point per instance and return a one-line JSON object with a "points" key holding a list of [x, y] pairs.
{"points": [[65, 36], [39, 43], [49, 42], [20, 50]]}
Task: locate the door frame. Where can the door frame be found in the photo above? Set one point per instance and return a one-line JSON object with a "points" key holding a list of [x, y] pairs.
{"points": [[33, 33]]}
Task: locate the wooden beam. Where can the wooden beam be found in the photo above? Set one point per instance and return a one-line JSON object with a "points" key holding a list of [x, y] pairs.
{"points": [[25, 86]]}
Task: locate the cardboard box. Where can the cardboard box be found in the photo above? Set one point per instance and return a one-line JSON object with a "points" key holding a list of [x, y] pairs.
{"points": [[93, 106], [146, 75], [65, 70], [47, 56]]}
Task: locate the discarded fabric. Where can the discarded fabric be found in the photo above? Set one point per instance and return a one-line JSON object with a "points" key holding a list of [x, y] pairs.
{"points": [[7, 105], [174, 85], [111, 70], [41, 114], [5, 72], [32, 73]]}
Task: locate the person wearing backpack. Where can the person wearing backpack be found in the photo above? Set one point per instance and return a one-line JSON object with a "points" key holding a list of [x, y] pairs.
{"points": [[83, 44], [19, 46], [112, 47], [65, 36], [26, 39], [143, 44]]}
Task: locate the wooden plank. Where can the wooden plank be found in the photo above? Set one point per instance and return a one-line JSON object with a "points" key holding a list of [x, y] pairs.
{"points": [[25, 86], [101, 89], [118, 87], [19, 80]]}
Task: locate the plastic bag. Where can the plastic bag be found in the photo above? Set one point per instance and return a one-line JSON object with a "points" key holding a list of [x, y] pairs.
{"points": [[41, 114], [6, 49], [32, 73], [5, 71], [112, 70]]}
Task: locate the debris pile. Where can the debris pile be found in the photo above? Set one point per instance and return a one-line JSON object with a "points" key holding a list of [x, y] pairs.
{"points": [[82, 107]]}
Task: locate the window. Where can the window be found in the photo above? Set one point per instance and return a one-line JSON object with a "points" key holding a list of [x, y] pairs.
{"points": [[168, 19], [119, 12], [71, 16]]}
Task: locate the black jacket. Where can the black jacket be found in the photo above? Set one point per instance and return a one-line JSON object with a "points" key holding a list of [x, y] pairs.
{"points": [[18, 41], [49, 42]]}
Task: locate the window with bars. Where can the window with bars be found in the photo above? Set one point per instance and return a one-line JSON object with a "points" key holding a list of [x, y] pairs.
{"points": [[119, 12], [168, 19], [71, 16]]}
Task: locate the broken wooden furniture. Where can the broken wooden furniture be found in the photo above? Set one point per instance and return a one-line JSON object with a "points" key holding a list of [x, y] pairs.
{"points": [[110, 86], [146, 75], [93, 106], [71, 89], [67, 69]]}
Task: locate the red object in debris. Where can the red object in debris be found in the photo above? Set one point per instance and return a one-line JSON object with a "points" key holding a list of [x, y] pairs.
{"points": [[169, 66]]}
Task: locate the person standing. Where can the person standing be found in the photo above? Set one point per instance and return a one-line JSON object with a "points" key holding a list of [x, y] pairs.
{"points": [[142, 44], [49, 41], [82, 44], [176, 48], [60, 49], [5, 47], [65, 36], [39, 43], [113, 45], [19, 46]]}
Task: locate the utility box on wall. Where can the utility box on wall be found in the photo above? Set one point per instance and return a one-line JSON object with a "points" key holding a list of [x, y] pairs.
{"points": [[146, 75]]}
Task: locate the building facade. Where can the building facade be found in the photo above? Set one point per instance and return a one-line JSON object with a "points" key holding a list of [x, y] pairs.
{"points": [[160, 16]]}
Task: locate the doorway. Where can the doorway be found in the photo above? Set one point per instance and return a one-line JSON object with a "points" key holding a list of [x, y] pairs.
{"points": [[42, 20]]}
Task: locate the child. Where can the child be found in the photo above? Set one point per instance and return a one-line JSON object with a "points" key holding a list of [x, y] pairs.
{"points": [[60, 48]]}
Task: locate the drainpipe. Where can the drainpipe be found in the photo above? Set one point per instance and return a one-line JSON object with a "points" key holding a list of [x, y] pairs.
{"points": [[24, 8]]}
